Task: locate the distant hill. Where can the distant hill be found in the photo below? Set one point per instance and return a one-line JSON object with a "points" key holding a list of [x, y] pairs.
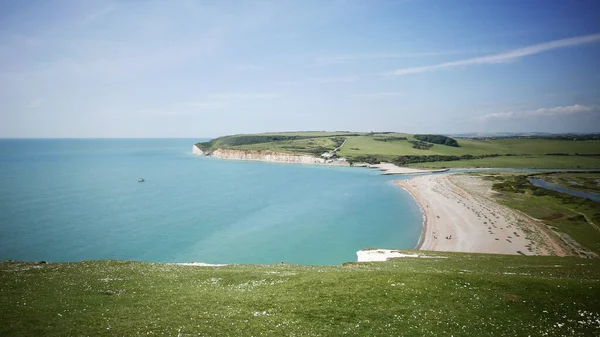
{"points": [[524, 134], [494, 150]]}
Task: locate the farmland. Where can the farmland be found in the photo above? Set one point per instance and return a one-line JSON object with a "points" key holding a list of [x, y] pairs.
{"points": [[406, 150]]}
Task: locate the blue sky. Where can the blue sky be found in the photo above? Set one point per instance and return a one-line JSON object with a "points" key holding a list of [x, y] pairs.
{"points": [[209, 68]]}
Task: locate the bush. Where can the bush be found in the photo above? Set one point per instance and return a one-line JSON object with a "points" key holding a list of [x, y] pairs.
{"points": [[371, 159], [405, 160], [539, 191], [389, 139], [438, 139], [576, 218], [338, 141], [417, 144]]}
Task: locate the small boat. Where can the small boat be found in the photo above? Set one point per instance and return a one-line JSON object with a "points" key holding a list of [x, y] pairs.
{"points": [[141, 180]]}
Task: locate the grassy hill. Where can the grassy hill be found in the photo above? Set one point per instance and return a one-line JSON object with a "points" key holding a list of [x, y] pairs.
{"points": [[370, 145], [448, 294], [376, 147]]}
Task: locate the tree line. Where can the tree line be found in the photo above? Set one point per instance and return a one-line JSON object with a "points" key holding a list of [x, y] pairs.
{"points": [[438, 139], [413, 159], [420, 145]]}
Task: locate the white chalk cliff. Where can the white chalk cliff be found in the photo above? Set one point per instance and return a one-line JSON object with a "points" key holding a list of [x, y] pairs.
{"points": [[197, 151], [268, 156]]}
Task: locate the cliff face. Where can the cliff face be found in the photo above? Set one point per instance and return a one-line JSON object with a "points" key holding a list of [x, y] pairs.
{"points": [[275, 157], [197, 151], [270, 156]]}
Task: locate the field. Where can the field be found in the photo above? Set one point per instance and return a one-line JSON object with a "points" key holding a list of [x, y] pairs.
{"points": [[404, 149], [450, 294], [309, 146], [579, 218], [368, 145], [549, 162]]}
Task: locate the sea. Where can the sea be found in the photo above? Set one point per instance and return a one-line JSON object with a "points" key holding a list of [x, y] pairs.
{"points": [[80, 199]]}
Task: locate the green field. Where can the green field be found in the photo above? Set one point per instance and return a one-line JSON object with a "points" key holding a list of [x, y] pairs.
{"points": [[549, 162], [368, 145], [577, 217], [402, 149], [452, 295], [314, 146]]}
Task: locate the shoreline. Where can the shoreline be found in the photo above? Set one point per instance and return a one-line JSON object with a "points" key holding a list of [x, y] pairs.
{"points": [[455, 219], [268, 156], [401, 184], [456, 215], [393, 169]]}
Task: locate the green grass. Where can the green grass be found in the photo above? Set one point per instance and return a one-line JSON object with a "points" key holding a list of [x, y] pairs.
{"points": [[531, 146], [367, 145], [312, 133], [314, 143], [577, 217], [555, 162], [306, 146], [461, 295]]}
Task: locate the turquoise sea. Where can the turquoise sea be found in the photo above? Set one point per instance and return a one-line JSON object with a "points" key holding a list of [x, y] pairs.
{"points": [[79, 199]]}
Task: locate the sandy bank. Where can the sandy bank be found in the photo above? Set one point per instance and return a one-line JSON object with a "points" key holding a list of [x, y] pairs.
{"points": [[389, 168], [460, 217]]}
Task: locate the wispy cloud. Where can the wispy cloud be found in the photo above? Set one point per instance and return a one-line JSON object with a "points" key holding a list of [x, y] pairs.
{"points": [[185, 108], [233, 96], [161, 113], [504, 57], [378, 94], [543, 112], [209, 102], [207, 105], [11, 40], [347, 58], [244, 67], [343, 79], [34, 103], [98, 15]]}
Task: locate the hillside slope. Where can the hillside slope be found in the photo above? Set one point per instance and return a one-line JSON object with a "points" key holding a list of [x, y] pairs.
{"points": [[446, 294]]}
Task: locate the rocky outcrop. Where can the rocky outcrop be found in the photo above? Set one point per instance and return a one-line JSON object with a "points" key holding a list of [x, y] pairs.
{"points": [[270, 156], [197, 151], [376, 255], [274, 157]]}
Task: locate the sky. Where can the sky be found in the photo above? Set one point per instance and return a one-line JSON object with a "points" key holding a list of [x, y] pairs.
{"points": [[79, 69]]}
